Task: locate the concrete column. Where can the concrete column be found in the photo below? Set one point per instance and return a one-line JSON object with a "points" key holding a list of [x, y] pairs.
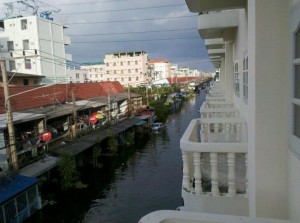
{"points": [[222, 72], [267, 108], [228, 71]]}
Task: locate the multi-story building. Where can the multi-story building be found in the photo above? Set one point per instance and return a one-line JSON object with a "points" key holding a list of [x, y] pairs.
{"points": [[95, 71], [241, 159], [35, 46], [129, 68], [162, 68], [77, 75]]}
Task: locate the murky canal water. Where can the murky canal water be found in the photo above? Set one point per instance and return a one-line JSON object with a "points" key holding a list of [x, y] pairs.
{"points": [[144, 178]]}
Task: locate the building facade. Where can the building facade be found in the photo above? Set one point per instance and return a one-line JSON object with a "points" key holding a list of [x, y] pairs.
{"points": [[95, 72], [129, 68], [36, 46], [246, 143], [162, 68]]}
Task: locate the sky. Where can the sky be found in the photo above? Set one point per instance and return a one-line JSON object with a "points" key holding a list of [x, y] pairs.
{"points": [[163, 29]]}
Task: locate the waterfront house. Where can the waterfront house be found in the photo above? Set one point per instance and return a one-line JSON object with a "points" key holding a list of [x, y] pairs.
{"points": [[241, 157]]}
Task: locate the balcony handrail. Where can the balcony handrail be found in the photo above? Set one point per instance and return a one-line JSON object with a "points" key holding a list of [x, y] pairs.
{"points": [[190, 141], [226, 109]]}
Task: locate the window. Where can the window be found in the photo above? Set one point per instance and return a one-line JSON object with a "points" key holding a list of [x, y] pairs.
{"points": [[107, 64], [122, 78], [122, 71], [129, 71], [245, 79], [136, 62], [10, 45], [129, 78], [114, 64], [136, 78], [24, 24], [136, 70], [25, 44], [28, 64], [236, 80], [77, 75], [115, 71], [128, 62], [115, 79], [121, 63], [25, 82], [12, 65]]}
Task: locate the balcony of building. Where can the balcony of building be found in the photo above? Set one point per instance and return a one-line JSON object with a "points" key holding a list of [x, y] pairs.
{"points": [[214, 154], [214, 5], [218, 24], [217, 43], [67, 40], [168, 216], [69, 57]]}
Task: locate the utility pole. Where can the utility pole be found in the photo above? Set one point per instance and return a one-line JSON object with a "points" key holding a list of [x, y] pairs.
{"points": [[11, 150], [129, 99]]}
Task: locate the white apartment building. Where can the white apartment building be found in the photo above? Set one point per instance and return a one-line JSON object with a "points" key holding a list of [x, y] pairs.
{"points": [[77, 75], [129, 68], [246, 144], [36, 46], [183, 72], [174, 70], [162, 68], [95, 72]]}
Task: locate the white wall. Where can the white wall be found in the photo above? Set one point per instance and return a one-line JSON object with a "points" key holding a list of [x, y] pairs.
{"points": [[267, 51]]}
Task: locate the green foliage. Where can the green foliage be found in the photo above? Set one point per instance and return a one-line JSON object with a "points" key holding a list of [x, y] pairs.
{"points": [[162, 111], [111, 140], [68, 172], [130, 137]]}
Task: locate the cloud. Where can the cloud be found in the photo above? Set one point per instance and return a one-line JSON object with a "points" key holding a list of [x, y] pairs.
{"points": [[179, 46]]}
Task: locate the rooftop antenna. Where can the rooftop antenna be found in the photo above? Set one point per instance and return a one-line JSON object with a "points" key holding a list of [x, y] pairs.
{"points": [[34, 7]]}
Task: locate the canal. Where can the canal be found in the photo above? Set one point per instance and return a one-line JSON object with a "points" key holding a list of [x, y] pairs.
{"points": [[143, 178]]}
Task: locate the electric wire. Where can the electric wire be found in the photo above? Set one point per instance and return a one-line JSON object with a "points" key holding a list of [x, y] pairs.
{"points": [[131, 20], [122, 10], [134, 32]]}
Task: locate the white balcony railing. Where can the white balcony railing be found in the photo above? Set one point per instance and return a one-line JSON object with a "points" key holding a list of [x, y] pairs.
{"points": [[200, 161], [230, 112]]}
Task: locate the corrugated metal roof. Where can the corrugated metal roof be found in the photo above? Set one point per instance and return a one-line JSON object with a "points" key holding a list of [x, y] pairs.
{"points": [[15, 185], [20, 117]]}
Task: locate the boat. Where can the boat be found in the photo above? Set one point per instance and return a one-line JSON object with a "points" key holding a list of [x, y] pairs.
{"points": [[156, 126]]}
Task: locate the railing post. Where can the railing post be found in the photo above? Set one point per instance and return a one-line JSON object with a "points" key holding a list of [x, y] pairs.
{"points": [[246, 163], [214, 174], [231, 174], [238, 132], [186, 174], [216, 131], [197, 173], [227, 131], [205, 132]]}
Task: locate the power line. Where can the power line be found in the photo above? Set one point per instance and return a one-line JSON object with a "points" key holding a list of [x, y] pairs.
{"points": [[98, 2], [118, 33], [121, 10], [136, 40], [132, 20]]}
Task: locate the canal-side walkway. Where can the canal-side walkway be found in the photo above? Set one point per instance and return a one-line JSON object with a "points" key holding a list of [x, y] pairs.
{"points": [[76, 146]]}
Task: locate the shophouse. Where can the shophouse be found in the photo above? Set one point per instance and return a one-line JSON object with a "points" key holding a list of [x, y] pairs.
{"points": [[241, 157]]}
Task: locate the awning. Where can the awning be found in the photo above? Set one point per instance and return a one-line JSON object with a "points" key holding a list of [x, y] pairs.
{"points": [[140, 123]]}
